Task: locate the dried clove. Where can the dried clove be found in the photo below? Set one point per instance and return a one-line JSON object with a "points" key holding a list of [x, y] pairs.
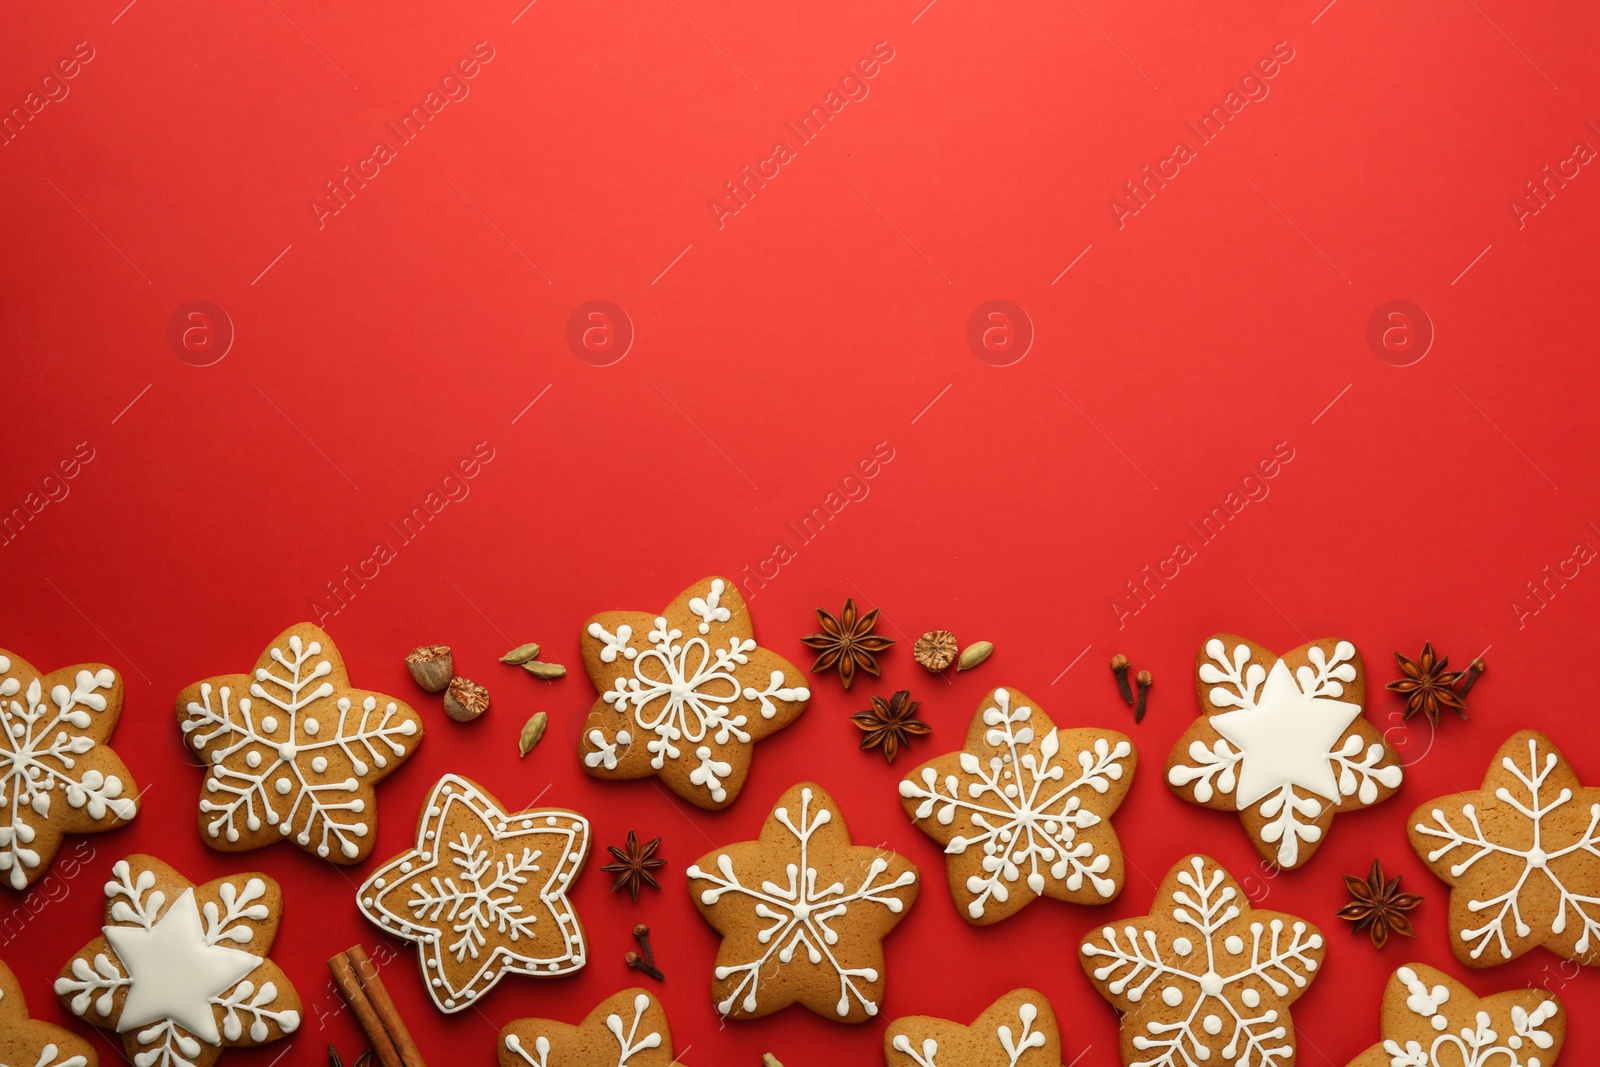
{"points": [[1474, 670], [1144, 681], [647, 961], [1119, 667]]}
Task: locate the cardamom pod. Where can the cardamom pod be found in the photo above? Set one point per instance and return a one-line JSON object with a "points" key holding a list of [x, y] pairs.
{"points": [[532, 730], [540, 669], [521, 654], [974, 654], [769, 1060]]}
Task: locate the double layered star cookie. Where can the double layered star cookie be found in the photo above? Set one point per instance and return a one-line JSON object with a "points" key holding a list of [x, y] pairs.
{"points": [[294, 751], [1204, 978], [1521, 855], [802, 913], [484, 893], [180, 971], [685, 695], [627, 1030], [31, 1043], [1018, 1030], [1432, 1020], [1023, 811], [57, 775], [1282, 741]]}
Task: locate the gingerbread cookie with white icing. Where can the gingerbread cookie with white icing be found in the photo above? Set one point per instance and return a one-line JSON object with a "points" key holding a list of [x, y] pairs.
{"points": [[626, 1030], [32, 1042], [1024, 810], [685, 695], [1431, 1020], [180, 970], [484, 893], [58, 775], [1282, 741], [802, 913], [293, 751], [1018, 1030]]}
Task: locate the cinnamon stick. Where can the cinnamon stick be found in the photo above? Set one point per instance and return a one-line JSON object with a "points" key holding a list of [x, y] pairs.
{"points": [[344, 977], [384, 1007]]}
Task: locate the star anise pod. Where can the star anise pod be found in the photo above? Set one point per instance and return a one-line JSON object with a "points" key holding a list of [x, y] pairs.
{"points": [[890, 724], [847, 642], [1427, 686], [634, 863], [1378, 906]]}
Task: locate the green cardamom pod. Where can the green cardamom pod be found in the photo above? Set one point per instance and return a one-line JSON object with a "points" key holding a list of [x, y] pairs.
{"points": [[532, 730], [547, 671], [521, 654]]}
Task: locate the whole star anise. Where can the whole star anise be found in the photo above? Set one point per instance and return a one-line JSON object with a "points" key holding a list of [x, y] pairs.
{"points": [[633, 865], [847, 642], [890, 724], [1427, 686], [1378, 906]]}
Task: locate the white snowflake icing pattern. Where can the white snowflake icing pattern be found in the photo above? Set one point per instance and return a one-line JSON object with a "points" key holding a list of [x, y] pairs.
{"points": [[177, 963], [275, 764], [1285, 733], [1534, 857], [629, 1044], [924, 1053], [41, 744], [1025, 817], [801, 913], [1136, 961], [1469, 1046]]}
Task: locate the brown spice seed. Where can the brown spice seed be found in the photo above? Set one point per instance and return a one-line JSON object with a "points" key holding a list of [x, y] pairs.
{"points": [[935, 650], [465, 700], [431, 666]]}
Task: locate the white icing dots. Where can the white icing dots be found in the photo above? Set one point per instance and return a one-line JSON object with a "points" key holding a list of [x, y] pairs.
{"points": [[251, 759], [319, 764], [1172, 996], [269, 723], [1182, 946], [1249, 997], [1234, 944], [283, 786], [1211, 1024], [310, 726]]}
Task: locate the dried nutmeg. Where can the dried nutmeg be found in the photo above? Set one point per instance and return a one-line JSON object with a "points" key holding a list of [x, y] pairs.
{"points": [[432, 666], [532, 731], [465, 700], [974, 654], [935, 650]]}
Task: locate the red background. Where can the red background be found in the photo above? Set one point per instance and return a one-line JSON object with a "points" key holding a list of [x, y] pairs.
{"points": [[771, 355]]}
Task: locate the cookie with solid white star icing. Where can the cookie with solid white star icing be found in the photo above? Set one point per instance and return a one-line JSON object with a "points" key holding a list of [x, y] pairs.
{"points": [[1431, 1020], [626, 1030], [180, 971], [1018, 1030], [685, 694], [32, 1042], [1283, 742]]}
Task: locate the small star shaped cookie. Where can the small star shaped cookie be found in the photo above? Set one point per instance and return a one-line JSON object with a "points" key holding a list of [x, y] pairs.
{"points": [[685, 695], [1521, 855], [1282, 741], [1204, 978], [1018, 1030], [484, 893], [57, 774], [293, 751], [1024, 810], [32, 1043], [802, 913], [180, 970], [1432, 1020], [626, 1030]]}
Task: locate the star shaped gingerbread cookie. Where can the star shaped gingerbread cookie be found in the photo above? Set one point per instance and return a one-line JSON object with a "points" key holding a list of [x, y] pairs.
{"points": [[31, 1042], [802, 913], [626, 1030], [1018, 1030], [484, 893], [1024, 810], [294, 751], [1521, 855], [1282, 742], [1431, 1020], [685, 695]]}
